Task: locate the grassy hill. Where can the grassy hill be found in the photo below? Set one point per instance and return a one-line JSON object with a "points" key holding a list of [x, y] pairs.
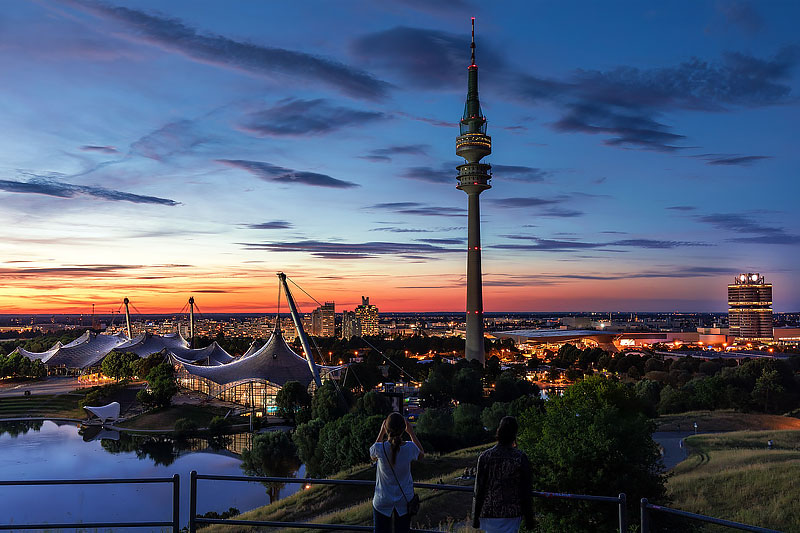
{"points": [[50, 405], [734, 476], [354, 505]]}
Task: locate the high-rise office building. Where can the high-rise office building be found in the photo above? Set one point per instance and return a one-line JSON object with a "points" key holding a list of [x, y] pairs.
{"points": [[367, 316], [323, 320], [473, 178], [750, 308], [328, 319], [351, 326]]}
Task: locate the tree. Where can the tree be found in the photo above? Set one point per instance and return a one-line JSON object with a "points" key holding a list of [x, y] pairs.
{"points": [[327, 403], [374, 403], [673, 400], [345, 442], [467, 386], [161, 386], [436, 426], [306, 438], [467, 424], [292, 397], [767, 388], [119, 365], [508, 387], [143, 366], [649, 393], [491, 416], [592, 440]]}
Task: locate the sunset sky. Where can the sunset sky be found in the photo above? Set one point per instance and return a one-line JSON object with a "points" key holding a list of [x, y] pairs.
{"points": [[643, 153]]}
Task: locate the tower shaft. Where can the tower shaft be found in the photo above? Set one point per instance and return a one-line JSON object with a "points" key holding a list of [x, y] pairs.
{"points": [[474, 346]]}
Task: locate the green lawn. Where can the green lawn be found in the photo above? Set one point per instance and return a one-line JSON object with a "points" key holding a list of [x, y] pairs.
{"points": [[734, 476], [164, 419], [56, 406]]}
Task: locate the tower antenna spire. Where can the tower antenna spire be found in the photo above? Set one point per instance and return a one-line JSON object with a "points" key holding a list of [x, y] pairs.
{"points": [[472, 46]]}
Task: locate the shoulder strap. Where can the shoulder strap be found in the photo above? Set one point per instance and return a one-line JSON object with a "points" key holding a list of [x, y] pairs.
{"points": [[393, 473]]}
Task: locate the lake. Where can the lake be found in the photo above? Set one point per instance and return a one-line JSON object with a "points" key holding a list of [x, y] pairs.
{"points": [[49, 450]]}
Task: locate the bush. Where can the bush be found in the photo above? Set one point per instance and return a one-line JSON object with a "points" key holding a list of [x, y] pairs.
{"points": [[219, 425], [185, 427]]}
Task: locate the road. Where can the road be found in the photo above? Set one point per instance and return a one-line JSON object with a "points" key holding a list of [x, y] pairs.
{"points": [[52, 385], [674, 448]]}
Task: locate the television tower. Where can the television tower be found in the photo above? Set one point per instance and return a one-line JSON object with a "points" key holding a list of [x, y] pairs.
{"points": [[473, 178]]}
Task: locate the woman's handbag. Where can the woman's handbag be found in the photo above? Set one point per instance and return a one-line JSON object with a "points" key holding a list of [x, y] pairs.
{"points": [[412, 505]]}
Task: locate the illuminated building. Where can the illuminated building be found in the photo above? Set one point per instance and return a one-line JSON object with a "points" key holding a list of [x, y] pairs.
{"points": [[750, 308], [323, 320], [252, 380], [367, 316], [351, 326], [473, 178], [328, 320]]}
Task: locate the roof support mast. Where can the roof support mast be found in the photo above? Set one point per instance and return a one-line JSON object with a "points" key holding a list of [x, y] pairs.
{"points": [[127, 317], [298, 324], [191, 321]]}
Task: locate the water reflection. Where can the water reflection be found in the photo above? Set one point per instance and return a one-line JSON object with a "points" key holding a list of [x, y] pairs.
{"points": [[46, 450], [163, 449], [20, 428]]}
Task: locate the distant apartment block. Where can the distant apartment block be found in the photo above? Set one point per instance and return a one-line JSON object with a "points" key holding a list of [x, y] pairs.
{"points": [[750, 308], [323, 320], [367, 316]]}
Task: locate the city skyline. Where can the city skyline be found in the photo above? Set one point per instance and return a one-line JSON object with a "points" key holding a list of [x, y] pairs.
{"points": [[154, 151]]}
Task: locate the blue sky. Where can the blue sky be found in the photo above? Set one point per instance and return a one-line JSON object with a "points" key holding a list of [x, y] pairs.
{"points": [[644, 153]]}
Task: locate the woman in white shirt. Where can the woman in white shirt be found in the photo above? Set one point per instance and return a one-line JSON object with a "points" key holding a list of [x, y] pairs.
{"points": [[394, 487]]}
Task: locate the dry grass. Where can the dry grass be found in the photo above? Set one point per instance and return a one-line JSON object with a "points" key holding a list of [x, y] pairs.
{"points": [[725, 421], [353, 505], [734, 476]]}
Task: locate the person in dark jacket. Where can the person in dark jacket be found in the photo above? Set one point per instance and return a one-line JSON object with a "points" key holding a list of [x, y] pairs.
{"points": [[502, 496]]}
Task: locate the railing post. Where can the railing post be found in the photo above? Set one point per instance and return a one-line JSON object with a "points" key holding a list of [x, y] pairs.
{"points": [[645, 525], [176, 503], [623, 513], [192, 500]]}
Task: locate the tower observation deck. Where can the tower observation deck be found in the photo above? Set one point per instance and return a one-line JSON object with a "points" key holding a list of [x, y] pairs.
{"points": [[473, 178]]}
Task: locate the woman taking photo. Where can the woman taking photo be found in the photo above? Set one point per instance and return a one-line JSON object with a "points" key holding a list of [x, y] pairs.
{"points": [[394, 488]]}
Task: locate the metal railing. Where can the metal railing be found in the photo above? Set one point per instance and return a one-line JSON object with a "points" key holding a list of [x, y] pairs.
{"points": [[174, 523], [647, 507], [194, 520]]}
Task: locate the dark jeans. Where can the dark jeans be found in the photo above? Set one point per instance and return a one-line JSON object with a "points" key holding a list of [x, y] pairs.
{"points": [[383, 523]]}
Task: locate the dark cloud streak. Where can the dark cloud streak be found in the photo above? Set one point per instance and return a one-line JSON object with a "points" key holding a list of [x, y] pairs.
{"points": [[51, 187], [276, 174], [175, 36]]}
